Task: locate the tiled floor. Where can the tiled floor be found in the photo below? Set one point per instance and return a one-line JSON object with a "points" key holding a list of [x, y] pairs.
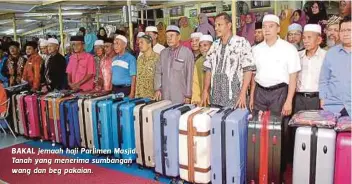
{"points": [[7, 140]]}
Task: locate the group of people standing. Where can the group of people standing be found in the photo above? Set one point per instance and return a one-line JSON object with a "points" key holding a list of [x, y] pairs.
{"points": [[263, 73]]}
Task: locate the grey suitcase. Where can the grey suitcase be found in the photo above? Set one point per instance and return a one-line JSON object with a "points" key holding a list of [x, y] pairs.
{"points": [[229, 146], [314, 156], [166, 122]]}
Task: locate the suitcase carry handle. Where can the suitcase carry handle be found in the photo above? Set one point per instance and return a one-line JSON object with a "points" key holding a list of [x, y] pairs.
{"points": [[184, 109]]}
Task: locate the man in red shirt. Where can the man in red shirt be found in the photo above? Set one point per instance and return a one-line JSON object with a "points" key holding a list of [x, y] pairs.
{"points": [[81, 67]]}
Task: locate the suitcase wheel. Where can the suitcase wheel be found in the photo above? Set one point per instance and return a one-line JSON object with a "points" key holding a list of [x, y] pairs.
{"points": [[174, 181], [156, 177]]}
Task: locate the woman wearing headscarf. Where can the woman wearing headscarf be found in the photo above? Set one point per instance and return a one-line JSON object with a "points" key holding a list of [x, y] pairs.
{"points": [[161, 33], [299, 17], [285, 22], [317, 13], [101, 34], [248, 30], [243, 23], [185, 28], [204, 26]]}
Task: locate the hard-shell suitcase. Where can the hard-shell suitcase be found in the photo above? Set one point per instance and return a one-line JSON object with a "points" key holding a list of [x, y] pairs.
{"points": [[67, 124], [45, 122], [264, 148], [343, 158], [22, 117], [166, 123], [57, 115], [91, 109], [105, 117], [314, 155], [195, 144], [32, 115], [117, 135], [229, 146], [126, 136], [144, 132]]}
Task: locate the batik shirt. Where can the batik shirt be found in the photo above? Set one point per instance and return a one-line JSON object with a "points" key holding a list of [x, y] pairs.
{"points": [[145, 75], [227, 64], [14, 69]]}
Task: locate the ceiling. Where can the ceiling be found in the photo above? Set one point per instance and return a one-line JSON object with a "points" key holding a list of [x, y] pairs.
{"points": [[32, 16]]}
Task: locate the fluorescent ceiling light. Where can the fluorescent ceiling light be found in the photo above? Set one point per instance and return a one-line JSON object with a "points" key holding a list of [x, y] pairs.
{"points": [[10, 31], [47, 14], [29, 20]]}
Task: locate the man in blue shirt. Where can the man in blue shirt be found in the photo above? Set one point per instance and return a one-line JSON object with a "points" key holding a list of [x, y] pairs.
{"points": [[335, 76], [123, 69]]}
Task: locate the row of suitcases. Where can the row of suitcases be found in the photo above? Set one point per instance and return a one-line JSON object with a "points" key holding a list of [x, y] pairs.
{"points": [[198, 144]]}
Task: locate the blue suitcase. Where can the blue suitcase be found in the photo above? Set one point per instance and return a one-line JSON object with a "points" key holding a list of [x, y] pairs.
{"points": [[123, 130], [105, 119], [97, 131], [67, 124], [77, 135], [166, 122], [229, 146]]}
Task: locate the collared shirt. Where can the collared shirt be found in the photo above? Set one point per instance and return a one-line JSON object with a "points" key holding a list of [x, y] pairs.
{"points": [[158, 48], [79, 66], [275, 63], [97, 61], [308, 77], [145, 75], [174, 73], [123, 68], [31, 72], [335, 80], [14, 69], [227, 64], [106, 71]]}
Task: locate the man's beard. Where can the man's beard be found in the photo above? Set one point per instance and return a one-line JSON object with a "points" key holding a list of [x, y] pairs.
{"points": [[330, 42]]}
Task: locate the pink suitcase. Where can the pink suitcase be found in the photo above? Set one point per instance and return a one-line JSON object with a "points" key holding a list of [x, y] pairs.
{"points": [[343, 158], [33, 117]]}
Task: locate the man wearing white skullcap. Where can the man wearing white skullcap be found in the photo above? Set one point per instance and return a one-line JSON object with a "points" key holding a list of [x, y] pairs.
{"points": [[54, 72], [205, 42], [43, 48], [294, 36], [277, 63], [152, 31], [195, 44], [174, 72], [99, 54], [307, 96], [124, 69]]}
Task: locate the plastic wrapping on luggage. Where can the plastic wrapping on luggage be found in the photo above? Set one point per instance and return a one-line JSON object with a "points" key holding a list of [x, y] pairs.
{"points": [[344, 124], [17, 88], [318, 118]]}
